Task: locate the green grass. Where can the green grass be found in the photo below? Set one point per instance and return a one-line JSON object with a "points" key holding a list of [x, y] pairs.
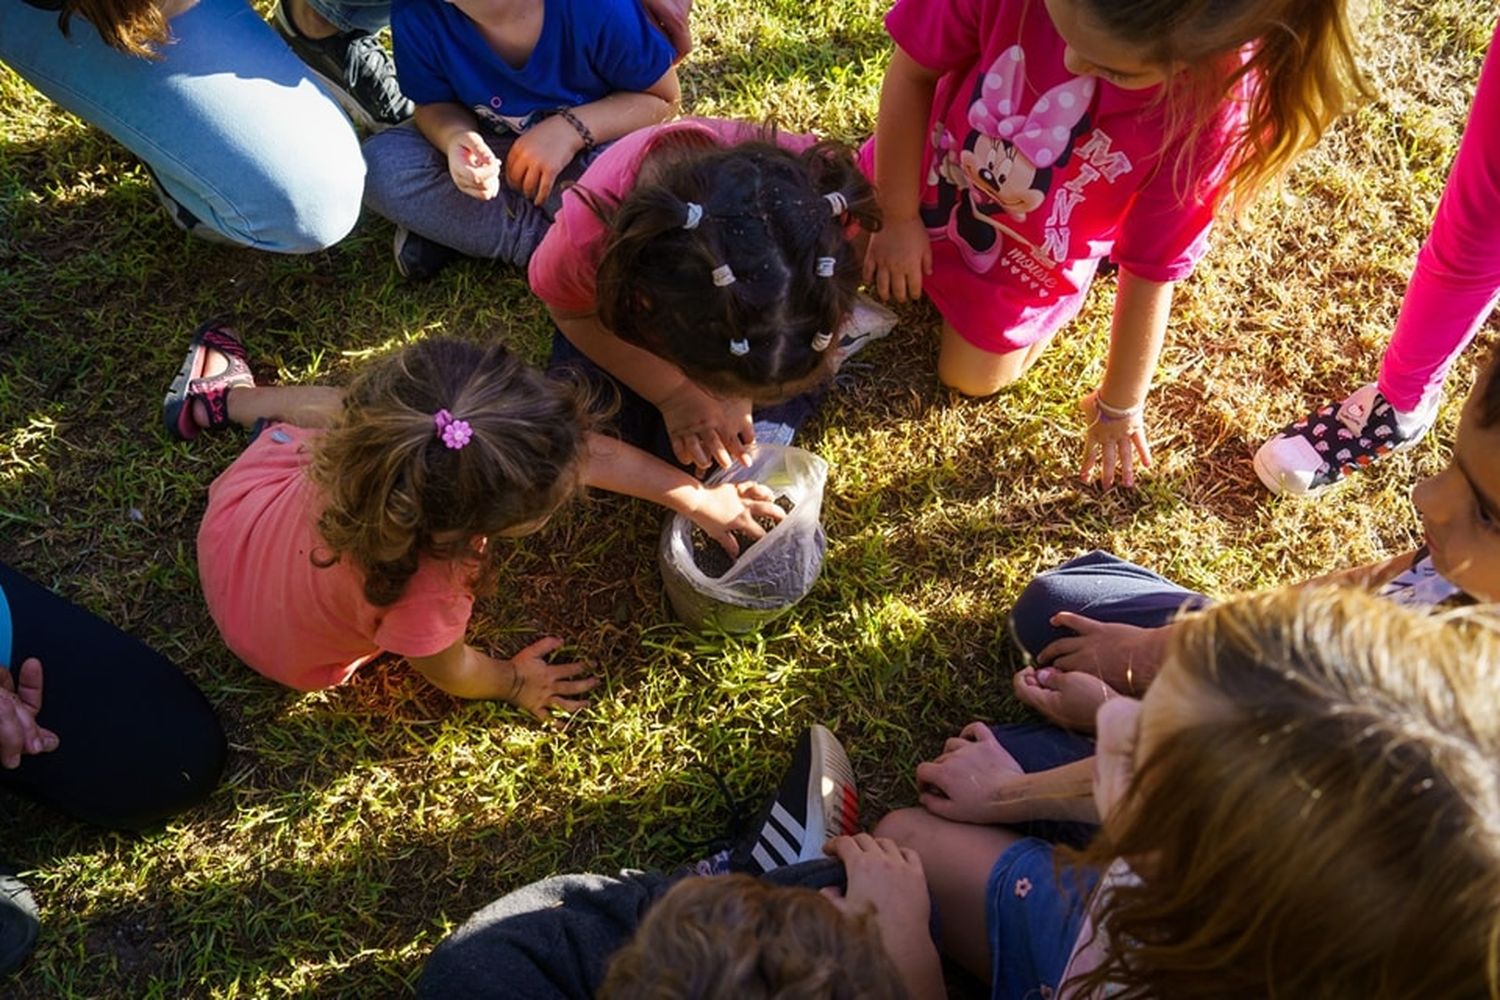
{"points": [[355, 827]]}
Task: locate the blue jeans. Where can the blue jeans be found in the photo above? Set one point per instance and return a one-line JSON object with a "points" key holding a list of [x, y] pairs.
{"points": [[639, 422], [230, 122], [1099, 586]]}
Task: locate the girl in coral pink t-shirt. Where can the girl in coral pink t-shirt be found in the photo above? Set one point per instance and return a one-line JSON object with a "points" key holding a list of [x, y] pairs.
{"points": [[1021, 141], [366, 520]]}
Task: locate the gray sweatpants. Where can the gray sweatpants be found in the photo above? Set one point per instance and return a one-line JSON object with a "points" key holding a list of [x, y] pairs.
{"points": [[407, 181]]}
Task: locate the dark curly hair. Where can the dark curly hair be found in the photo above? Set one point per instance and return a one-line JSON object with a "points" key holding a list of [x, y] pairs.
{"points": [[767, 216], [394, 492]]}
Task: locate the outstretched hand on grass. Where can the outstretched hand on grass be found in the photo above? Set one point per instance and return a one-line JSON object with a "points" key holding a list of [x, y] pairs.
{"points": [[1113, 445], [727, 508], [527, 680], [19, 703]]}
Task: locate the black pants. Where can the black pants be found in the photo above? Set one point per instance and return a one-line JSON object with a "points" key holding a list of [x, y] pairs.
{"points": [[137, 741]]}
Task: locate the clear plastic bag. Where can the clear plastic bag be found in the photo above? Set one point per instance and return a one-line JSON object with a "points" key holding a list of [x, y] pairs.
{"points": [[769, 576]]}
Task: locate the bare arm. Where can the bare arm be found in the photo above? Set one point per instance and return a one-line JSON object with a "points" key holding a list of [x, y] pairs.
{"points": [[719, 510], [900, 253], [976, 780], [545, 149], [1142, 308], [672, 17], [527, 681]]}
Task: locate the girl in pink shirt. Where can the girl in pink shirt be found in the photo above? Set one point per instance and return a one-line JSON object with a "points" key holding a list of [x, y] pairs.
{"points": [[1302, 805], [1021, 141], [708, 268], [368, 519]]}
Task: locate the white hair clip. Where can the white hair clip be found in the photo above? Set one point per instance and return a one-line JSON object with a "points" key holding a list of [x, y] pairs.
{"points": [[821, 341], [694, 215], [723, 275], [837, 202], [826, 266], [739, 348]]}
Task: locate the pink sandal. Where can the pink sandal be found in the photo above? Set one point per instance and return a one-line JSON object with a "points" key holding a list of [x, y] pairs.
{"points": [[212, 391]]}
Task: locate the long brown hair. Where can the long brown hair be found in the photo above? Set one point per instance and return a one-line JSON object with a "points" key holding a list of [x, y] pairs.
{"points": [[1334, 831], [392, 486], [134, 27], [1299, 74], [735, 936], [766, 217]]}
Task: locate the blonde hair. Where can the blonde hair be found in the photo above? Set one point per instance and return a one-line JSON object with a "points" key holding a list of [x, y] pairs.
{"points": [[735, 936], [1334, 829], [1299, 73], [391, 486]]}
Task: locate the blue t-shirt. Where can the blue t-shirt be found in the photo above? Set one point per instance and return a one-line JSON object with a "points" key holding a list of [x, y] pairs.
{"points": [[588, 49]]}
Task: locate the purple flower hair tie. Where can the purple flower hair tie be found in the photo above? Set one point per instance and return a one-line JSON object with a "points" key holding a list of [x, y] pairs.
{"points": [[454, 433]]}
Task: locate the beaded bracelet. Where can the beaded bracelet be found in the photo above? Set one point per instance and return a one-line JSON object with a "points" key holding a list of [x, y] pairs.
{"points": [[578, 126]]}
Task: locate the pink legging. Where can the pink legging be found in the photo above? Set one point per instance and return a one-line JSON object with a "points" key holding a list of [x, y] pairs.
{"points": [[1457, 279]]}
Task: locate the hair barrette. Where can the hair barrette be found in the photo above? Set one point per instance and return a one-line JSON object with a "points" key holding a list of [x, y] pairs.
{"points": [[826, 266], [837, 202], [453, 433], [739, 348], [821, 341], [723, 275], [694, 215]]}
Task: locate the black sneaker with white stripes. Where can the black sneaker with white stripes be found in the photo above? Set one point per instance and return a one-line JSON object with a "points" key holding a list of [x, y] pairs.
{"points": [[816, 801]]}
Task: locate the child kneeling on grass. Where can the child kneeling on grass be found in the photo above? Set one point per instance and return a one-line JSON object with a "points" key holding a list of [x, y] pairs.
{"points": [[1302, 805], [854, 925], [367, 519], [1099, 618]]}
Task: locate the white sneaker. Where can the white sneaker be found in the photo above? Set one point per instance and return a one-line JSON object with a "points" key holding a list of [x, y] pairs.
{"points": [[868, 321]]}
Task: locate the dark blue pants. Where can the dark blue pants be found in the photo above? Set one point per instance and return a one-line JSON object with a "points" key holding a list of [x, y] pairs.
{"points": [[1041, 746], [1100, 586], [137, 741], [640, 423]]}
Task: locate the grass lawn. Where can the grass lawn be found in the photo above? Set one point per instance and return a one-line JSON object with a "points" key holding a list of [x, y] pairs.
{"points": [[355, 827]]}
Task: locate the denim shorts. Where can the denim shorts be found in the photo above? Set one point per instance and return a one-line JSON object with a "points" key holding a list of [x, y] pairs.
{"points": [[1034, 915]]}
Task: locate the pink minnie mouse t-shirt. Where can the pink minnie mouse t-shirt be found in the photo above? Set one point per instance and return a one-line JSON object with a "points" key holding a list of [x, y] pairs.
{"points": [[1031, 174]]}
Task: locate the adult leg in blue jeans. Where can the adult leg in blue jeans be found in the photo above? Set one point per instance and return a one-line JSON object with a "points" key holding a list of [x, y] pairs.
{"points": [[640, 423], [230, 122]]}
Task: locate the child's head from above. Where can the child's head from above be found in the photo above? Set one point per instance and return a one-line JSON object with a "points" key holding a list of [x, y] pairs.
{"points": [[1314, 809], [1300, 57], [736, 264], [440, 445], [735, 936], [1460, 506]]}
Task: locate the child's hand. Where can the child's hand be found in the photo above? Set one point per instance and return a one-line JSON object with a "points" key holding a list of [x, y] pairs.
{"points": [[1123, 656], [966, 782], [473, 166], [19, 733], [1067, 698], [886, 881], [899, 255], [729, 507], [1113, 444], [541, 153], [540, 687], [705, 428]]}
